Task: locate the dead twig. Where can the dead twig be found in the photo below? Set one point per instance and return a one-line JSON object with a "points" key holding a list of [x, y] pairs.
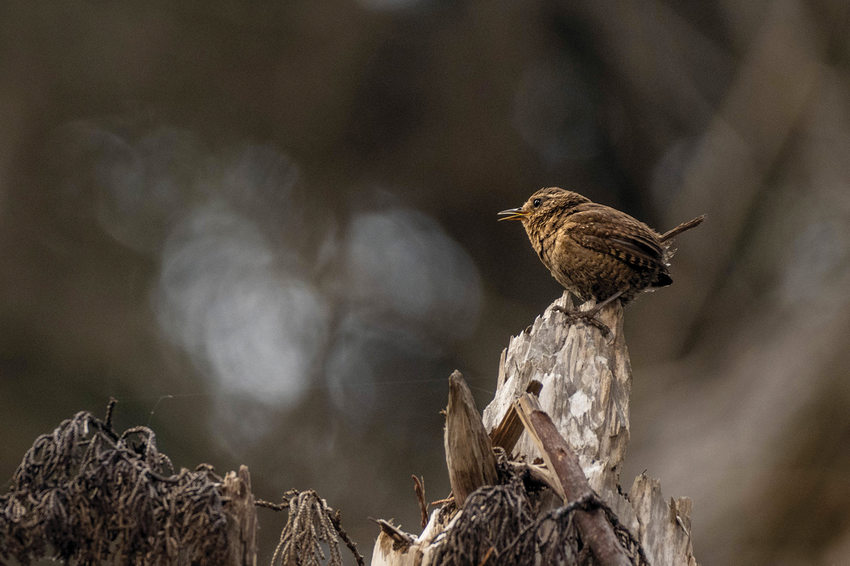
{"points": [[562, 461], [419, 489]]}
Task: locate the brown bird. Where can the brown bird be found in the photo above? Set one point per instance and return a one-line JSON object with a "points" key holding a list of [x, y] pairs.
{"points": [[595, 251]]}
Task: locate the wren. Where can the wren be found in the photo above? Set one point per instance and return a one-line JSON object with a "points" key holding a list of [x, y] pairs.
{"points": [[595, 251]]}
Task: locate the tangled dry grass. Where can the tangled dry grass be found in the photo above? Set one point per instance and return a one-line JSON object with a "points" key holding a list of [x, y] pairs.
{"points": [[89, 495], [503, 525], [85, 494]]}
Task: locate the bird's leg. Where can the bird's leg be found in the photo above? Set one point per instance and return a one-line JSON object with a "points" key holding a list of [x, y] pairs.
{"points": [[590, 315]]}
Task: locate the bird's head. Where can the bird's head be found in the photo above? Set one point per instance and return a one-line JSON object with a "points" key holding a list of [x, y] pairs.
{"points": [[542, 204]]}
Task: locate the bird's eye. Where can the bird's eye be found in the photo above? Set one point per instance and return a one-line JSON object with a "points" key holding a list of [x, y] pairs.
{"points": [[536, 202]]}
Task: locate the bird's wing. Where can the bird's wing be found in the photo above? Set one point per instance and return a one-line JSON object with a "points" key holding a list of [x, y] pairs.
{"points": [[609, 231]]}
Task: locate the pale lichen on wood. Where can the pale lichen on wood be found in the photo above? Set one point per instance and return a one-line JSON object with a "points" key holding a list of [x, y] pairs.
{"points": [[586, 379]]}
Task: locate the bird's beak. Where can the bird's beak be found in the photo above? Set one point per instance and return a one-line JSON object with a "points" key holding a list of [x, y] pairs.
{"points": [[512, 214]]}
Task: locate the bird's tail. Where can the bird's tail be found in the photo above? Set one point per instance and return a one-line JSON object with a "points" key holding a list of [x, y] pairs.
{"points": [[682, 227]]}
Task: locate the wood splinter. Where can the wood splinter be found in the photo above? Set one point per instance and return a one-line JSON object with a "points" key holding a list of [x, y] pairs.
{"points": [[507, 432], [469, 452], [401, 540], [563, 463]]}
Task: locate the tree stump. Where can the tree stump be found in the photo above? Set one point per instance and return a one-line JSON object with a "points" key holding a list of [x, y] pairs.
{"points": [[585, 377]]}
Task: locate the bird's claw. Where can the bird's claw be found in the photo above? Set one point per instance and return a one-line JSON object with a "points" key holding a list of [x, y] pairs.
{"points": [[588, 317]]}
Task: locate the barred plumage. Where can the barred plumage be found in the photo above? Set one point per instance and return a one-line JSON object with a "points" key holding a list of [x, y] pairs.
{"points": [[593, 250]]}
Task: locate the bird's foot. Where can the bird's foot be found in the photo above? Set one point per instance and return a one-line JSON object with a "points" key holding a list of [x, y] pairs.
{"points": [[587, 317]]}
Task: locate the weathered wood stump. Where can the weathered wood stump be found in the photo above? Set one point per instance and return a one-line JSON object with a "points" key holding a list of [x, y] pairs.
{"points": [[585, 378]]}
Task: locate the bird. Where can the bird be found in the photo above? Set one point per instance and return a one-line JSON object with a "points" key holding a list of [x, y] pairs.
{"points": [[595, 251]]}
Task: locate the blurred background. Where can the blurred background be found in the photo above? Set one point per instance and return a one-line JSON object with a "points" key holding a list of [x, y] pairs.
{"points": [[268, 229]]}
